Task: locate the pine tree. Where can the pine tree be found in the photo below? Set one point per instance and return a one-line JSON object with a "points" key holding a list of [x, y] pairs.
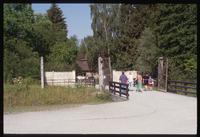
{"points": [[177, 35], [55, 14], [132, 24]]}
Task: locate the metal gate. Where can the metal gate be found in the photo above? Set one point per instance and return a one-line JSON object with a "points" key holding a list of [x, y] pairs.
{"points": [[162, 73]]}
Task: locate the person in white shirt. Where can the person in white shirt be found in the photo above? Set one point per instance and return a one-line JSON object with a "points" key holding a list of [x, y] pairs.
{"points": [[130, 81]]}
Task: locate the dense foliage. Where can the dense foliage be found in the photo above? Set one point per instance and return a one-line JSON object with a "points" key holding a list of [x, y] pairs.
{"points": [[19, 57], [176, 28], [135, 39], [28, 36], [134, 36]]}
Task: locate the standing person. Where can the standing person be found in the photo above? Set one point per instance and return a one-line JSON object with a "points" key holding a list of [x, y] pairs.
{"points": [[123, 79], [134, 82], [150, 83], [139, 82], [145, 81], [130, 81]]}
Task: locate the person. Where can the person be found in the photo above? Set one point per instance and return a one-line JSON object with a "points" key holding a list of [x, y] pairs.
{"points": [[150, 83], [134, 82], [139, 82], [123, 79], [130, 81], [145, 81]]}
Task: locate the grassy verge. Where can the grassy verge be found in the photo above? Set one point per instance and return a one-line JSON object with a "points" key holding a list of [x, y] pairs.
{"points": [[32, 97]]}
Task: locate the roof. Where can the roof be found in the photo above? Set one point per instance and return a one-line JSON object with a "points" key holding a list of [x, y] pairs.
{"points": [[83, 64]]}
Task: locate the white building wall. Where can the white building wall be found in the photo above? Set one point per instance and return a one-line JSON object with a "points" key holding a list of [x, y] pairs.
{"points": [[60, 78], [130, 74]]}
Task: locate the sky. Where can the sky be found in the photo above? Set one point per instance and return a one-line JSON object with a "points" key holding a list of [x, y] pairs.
{"points": [[77, 17]]}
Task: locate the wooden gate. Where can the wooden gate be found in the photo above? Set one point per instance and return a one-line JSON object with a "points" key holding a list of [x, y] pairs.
{"points": [[117, 87], [162, 73]]}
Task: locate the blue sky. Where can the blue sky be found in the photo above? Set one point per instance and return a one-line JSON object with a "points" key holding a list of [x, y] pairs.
{"points": [[77, 17]]}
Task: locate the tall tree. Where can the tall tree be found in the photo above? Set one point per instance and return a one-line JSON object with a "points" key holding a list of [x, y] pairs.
{"points": [[55, 14], [42, 35], [63, 56], [117, 28], [19, 58], [177, 35], [148, 53], [131, 27]]}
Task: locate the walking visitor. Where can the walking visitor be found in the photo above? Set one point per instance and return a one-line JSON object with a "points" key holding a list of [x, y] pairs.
{"points": [[139, 82], [145, 81], [150, 83], [123, 79]]}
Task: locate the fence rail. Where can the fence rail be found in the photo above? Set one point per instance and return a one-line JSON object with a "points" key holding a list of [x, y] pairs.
{"points": [[181, 87], [70, 81], [120, 88]]}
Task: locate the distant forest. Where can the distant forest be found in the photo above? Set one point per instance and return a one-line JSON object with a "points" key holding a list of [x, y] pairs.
{"points": [[133, 35]]}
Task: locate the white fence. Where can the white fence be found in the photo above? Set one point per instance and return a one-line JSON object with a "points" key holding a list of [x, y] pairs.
{"points": [[60, 78], [69, 78]]}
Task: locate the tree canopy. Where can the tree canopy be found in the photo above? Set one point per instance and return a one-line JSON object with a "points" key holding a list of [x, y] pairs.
{"points": [[27, 36], [136, 39], [134, 36]]}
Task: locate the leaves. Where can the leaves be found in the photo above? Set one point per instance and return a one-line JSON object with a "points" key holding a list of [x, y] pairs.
{"points": [[56, 17], [177, 29]]}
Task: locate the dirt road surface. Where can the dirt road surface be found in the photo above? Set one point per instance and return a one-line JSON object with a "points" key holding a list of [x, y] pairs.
{"points": [[150, 112]]}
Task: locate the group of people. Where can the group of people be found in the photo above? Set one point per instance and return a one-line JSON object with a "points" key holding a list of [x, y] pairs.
{"points": [[139, 81]]}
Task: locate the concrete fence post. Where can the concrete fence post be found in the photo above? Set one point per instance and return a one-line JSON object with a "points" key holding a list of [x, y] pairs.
{"points": [[42, 71], [100, 73]]}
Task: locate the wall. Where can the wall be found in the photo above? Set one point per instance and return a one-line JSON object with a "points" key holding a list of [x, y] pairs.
{"points": [[130, 74], [60, 78]]}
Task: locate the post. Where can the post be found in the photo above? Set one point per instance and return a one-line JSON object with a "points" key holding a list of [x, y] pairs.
{"points": [[175, 87], [42, 71], [120, 90], [110, 69], [127, 95], [114, 88], [158, 81], [166, 78], [160, 73], [168, 85], [100, 73], [185, 89]]}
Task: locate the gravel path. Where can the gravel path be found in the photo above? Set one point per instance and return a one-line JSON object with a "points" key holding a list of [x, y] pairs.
{"points": [[150, 112]]}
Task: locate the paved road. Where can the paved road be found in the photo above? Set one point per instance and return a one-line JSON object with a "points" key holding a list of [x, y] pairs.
{"points": [[150, 112]]}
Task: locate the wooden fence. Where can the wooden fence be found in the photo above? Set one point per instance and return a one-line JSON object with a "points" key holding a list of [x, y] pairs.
{"points": [[120, 88], [182, 87]]}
